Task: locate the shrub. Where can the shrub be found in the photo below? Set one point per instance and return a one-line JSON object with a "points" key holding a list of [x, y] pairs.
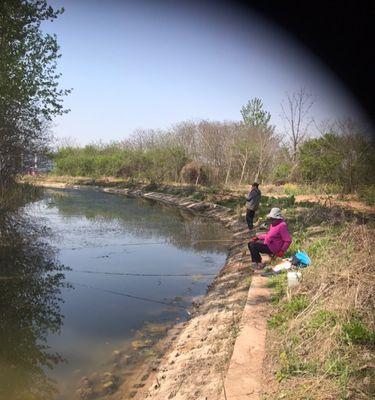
{"points": [[367, 194]]}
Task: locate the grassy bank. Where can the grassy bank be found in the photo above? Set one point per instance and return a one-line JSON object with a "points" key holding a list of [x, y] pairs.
{"points": [[321, 341]]}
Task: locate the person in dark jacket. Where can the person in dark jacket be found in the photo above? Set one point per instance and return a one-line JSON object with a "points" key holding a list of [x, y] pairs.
{"points": [[252, 203]]}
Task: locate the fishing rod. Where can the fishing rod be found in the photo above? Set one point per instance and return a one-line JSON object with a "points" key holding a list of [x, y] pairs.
{"points": [[261, 227]]}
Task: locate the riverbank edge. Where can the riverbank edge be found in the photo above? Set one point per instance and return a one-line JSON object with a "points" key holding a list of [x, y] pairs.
{"points": [[243, 354]]}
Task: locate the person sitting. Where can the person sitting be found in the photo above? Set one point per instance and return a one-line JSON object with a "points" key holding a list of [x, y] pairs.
{"points": [[275, 242]]}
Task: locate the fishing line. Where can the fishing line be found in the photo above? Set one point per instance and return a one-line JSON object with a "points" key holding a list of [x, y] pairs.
{"points": [[132, 296], [151, 244], [139, 274]]}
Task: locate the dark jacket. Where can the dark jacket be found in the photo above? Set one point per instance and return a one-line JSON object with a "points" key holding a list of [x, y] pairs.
{"points": [[253, 199]]}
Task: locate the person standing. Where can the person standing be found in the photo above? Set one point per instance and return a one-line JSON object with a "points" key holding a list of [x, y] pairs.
{"points": [[252, 204]]}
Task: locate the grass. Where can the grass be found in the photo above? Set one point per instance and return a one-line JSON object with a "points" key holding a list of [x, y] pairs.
{"points": [[295, 189], [321, 341]]}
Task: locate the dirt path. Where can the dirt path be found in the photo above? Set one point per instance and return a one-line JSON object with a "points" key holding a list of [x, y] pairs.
{"points": [[244, 377], [332, 200]]}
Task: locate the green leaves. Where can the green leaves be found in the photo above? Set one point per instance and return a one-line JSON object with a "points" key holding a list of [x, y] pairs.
{"points": [[29, 93], [253, 114], [346, 159]]}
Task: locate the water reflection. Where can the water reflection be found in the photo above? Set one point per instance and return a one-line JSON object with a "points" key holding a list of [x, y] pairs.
{"points": [[144, 219], [31, 280]]}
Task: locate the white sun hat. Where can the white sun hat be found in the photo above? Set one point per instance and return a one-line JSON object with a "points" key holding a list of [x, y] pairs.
{"points": [[275, 213]]}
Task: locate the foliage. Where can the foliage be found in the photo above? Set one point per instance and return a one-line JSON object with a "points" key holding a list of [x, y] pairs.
{"points": [[355, 331], [29, 93], [156, 164], [221, 153], [282, 171], [254, 115], [367, 193], [347, 159]]}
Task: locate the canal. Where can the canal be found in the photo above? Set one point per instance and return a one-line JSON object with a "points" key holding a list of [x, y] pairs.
{"points": [[88, 275]]}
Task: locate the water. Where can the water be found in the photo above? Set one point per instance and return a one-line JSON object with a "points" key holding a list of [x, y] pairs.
{"points": [[131, 261]]}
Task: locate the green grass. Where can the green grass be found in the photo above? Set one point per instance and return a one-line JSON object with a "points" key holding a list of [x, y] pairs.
{"points": [[287, 310], [278, 285], [319, 338], [356, 332]]}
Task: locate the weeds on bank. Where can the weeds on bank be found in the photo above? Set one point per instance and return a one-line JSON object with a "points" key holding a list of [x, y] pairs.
{"points": [[304, 189], [323, 338]]}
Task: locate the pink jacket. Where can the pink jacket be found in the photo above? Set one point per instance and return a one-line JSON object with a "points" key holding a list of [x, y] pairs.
{"points": [[277, 238]]}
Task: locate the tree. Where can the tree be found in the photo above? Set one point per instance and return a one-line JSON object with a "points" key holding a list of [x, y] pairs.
{"points": [[260, 134], [295, 112], [253, 114], [343, 156], [29, 92]]}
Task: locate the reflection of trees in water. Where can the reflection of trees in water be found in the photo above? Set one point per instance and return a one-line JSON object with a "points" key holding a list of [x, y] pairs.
{"points": [[30, 284], [143, 218]]}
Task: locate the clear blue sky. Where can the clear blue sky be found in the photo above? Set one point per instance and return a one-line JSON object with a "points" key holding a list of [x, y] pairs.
{"points": [[149, 64]]}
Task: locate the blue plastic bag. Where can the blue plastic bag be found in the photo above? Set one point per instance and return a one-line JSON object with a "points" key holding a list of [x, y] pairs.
{"points": [[301, 259]]}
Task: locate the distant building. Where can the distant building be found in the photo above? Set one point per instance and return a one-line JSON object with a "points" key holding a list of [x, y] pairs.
{"points": [[34, 164]]}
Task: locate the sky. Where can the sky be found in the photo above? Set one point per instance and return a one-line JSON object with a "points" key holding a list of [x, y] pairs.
{"points": [[153, 63]]}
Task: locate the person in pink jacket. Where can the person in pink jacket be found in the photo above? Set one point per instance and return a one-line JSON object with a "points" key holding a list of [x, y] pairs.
{"points": [[275, 242]]}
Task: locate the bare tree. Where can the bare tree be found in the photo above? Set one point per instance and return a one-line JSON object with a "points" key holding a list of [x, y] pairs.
{"points": [[185, 134], [296, 114]]}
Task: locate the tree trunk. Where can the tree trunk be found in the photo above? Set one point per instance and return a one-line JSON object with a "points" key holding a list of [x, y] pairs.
{"points": [[243, 167], [228, 172]]}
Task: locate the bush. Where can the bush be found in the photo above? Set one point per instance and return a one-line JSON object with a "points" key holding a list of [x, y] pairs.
{"points": [[367, 194], [282, 172], [346, 159], [195, 173], [156, 164]]}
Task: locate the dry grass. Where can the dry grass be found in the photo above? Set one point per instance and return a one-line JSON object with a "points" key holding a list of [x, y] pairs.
{"points": [[322, 341]]}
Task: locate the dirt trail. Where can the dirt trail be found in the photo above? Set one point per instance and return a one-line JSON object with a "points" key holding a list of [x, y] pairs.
{"points": [[349, 203], [244, 377]]}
